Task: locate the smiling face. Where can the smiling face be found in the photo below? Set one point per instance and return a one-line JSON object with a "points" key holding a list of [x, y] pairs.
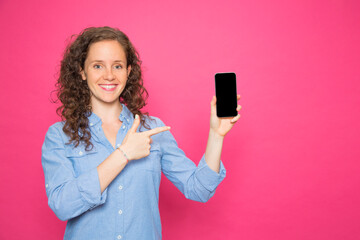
{"points": [[105, 71]]}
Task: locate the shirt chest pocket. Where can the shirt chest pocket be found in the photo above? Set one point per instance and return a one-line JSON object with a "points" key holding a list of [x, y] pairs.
{"points": [[152, 162], [82, 160]]}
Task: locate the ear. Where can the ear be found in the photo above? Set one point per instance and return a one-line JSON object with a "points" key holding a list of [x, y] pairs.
{"points": [[129, 70], [83, 74]]}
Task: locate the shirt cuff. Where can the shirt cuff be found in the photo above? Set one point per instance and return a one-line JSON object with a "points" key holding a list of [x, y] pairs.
{"points": [[89, 188], [208, 177]]}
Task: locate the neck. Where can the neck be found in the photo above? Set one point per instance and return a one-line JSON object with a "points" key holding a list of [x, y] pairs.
{"points": [[107, 112]]}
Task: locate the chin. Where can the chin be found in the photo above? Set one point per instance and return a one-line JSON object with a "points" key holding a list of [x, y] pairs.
{"points": [[111, 100]]}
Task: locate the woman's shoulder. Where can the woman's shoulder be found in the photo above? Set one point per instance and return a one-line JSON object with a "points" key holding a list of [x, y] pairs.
{"points": [[57, 126], [56, 129], [55, 135]]}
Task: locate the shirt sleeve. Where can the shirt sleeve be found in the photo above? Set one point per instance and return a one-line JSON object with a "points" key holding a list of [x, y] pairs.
{"points": [[197, 183], [68, 195]]}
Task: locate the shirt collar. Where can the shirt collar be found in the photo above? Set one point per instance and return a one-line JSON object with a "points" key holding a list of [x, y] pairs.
{"points": [[125, 115]]}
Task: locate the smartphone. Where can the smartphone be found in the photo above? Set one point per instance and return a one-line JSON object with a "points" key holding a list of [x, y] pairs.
{"points": [[226, 96]]}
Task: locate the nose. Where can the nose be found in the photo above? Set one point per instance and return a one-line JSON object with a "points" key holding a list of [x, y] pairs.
{"points": [[109, 75]]}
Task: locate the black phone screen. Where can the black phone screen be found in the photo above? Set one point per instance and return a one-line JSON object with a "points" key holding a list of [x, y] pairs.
{"points": [[226, 97]]}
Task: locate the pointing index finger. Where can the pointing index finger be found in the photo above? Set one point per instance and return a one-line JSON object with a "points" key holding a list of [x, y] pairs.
{"points": [[157, 130]]}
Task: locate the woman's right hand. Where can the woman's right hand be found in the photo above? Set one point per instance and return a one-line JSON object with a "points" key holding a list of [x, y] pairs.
{"points": [[136, 145]]}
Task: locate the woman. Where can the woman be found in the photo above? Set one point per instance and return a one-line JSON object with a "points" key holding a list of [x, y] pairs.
{"points": [[103, 162]]}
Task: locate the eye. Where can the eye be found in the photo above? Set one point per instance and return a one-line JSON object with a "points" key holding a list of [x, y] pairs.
{"points": [[97, 66], [118, 67]]}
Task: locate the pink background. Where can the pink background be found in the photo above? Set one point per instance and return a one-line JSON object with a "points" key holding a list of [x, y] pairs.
{"points": [[292, 159]]}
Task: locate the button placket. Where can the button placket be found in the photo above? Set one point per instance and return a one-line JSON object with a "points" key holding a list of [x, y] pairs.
{"points": [[120, 206]]}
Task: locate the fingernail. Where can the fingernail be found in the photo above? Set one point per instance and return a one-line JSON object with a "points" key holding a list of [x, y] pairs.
{"points": [[169, 127], [136, 116]]}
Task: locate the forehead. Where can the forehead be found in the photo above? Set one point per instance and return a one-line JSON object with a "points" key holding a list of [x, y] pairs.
{"points": [[107, 50]]}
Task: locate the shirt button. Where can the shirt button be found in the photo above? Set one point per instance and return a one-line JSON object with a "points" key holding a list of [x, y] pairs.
{"points": [[120, 212], [120, 187], [80, 153], [47, 185], [91, 124], [119, 237], [118, 145], [123, 127]]}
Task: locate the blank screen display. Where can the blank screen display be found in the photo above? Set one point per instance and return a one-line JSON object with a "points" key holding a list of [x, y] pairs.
{"points": [[225, 87]]}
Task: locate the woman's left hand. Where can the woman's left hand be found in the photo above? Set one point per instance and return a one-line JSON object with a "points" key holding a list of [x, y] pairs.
{"points": [[222, 125]]}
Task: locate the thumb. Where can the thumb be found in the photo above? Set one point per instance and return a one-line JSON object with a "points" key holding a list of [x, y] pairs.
{"points": [[213, 105], [135, 124], [213, 101]]}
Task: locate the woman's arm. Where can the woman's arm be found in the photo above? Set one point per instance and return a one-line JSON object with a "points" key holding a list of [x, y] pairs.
{"points": [[213, 150], [219, 127], [136, 145], [110, 168], [197, 183], [69, 194]]}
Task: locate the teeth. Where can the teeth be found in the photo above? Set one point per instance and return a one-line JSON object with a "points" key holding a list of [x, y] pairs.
{"points": [[108, 86]]}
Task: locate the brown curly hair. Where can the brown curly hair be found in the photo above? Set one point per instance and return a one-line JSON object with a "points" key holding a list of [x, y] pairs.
{"points": [[74, 93]]}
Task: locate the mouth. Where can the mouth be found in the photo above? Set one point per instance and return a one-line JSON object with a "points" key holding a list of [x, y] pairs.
{"points": [[108, 87]]}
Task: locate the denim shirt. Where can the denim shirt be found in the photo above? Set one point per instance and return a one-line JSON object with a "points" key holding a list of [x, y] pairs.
{"points": [[128, 207]]}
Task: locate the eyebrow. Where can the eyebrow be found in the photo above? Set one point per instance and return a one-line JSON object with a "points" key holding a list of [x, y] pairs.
{"points": [[103, 61]]}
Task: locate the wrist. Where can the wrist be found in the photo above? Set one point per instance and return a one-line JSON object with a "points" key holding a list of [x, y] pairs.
{"points": [[215, 135], [123, 153]]}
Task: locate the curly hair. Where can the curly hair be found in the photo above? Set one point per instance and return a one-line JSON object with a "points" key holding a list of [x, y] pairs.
{"points": [[74, 93]]}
